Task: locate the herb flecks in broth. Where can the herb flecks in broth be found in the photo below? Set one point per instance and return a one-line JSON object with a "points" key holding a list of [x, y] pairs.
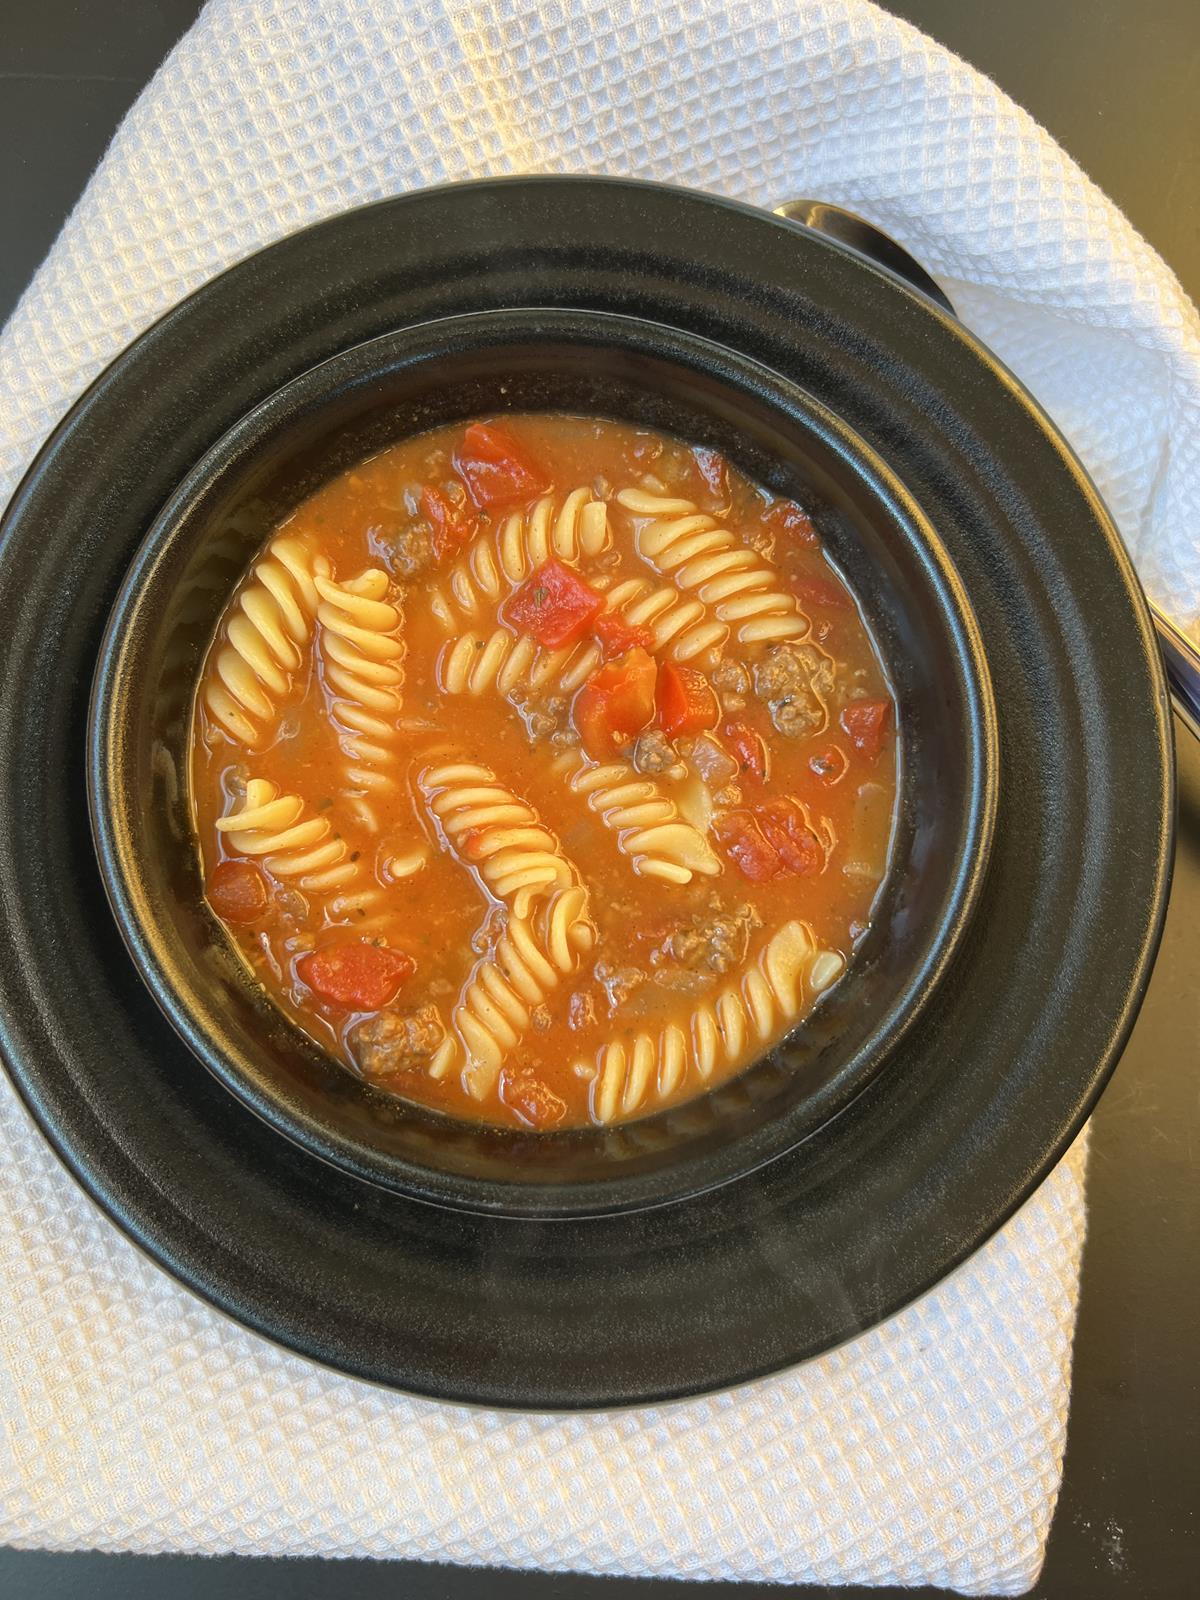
{"points": [[543, 770]]}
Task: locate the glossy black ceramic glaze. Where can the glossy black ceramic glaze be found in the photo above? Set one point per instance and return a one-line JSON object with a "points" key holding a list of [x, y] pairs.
{"points": [[575, 361], [866, 239], [980, 1096]]}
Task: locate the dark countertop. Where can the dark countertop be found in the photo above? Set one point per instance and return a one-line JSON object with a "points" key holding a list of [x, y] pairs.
{"points": [[1116, 81]]}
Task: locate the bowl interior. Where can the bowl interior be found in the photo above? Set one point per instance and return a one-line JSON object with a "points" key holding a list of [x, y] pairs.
{"points": [[582, 362]]}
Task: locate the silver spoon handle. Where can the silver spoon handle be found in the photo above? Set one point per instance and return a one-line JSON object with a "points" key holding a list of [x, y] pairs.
{"points": [[1182, 661]]}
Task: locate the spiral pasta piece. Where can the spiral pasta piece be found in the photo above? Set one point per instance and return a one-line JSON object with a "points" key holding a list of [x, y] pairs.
{"points": [[364, 669], [647, 823], [504, 988], [699, 554], [491, 829], [497, 562], [297, 849], [269, 627], [629, 1074], [475, 663], [682, 627], [511, 663]]}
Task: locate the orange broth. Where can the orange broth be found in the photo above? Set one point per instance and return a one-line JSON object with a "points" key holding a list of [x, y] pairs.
{"points": [[404, 950]]}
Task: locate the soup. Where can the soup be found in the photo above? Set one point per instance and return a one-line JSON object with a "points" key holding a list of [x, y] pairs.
{"points": [[543, 770]]}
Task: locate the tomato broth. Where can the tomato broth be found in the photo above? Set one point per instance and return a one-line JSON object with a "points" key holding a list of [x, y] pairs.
{"points": [[543, 770]]}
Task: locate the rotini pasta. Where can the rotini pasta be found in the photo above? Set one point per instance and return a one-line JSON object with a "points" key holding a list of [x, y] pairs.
{"points": [[499, 998], [475, 663], [364, 669], [652, 1066], [264, 639], [701, 555], [682, 628], [512, 663], [406, 864], [649, 829], [489, 828], [496, 563], [298, 849]]}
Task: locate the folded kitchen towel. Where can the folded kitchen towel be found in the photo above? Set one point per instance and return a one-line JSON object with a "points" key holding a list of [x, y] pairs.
{"points": [[928, 1450]]}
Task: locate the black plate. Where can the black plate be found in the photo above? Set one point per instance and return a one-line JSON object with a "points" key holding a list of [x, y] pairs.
{"points": [[983, 1094]]}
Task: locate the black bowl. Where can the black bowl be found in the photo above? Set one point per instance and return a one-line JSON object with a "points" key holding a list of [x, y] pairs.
{"points": [[582, 362], [981, 1095]]}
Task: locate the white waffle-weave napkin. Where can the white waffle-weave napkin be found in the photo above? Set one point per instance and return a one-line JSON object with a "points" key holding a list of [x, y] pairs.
{"points": [[928, 1450]]}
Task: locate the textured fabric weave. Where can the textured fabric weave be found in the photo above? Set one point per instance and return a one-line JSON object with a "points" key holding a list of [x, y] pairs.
{"points": [[928, 1450]]}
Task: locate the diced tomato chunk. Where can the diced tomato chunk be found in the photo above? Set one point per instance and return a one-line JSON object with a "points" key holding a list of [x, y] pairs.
{"points": [[615, 703], [771, 841], [786, 828], [865, 721], [535, 1103], [590, 716], [746, 846], [357, 976], [616, 635], [237, 891], [830, 764], [785, 518], [825, 592], [686, 702], [495, 469], [748, 748], [714, 469], [554, 605], [450, 525]]}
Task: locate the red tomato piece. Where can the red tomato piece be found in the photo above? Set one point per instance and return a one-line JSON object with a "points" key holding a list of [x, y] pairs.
{"points": [[747, 846], [785, 517], [864, 721], [748, 749], [616, 702], [589, 712], [450, 526], [686, 702], [358, 976], [830, 764], [495, 469], [714, 469], [785, 827], [554, 605], [815, 591], [616, 635], [773, 840], [237, 891], [529, 1097]]}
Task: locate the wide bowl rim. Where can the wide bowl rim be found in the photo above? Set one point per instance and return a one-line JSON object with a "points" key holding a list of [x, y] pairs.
{"points": [[517, 1199]]}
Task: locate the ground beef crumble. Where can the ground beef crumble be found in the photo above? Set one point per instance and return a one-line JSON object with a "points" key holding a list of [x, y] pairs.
{"points": [[549, 719], [405, 551], [395, 1041], [731, 677], [704, 947], [796, 681], [653, 752]]}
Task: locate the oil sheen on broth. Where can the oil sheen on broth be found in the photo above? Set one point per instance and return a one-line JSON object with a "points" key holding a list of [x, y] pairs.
{"points": [[543, 770]]}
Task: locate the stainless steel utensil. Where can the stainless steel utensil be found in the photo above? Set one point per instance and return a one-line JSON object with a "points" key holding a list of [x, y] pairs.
{"points": [[1182, 661]]}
